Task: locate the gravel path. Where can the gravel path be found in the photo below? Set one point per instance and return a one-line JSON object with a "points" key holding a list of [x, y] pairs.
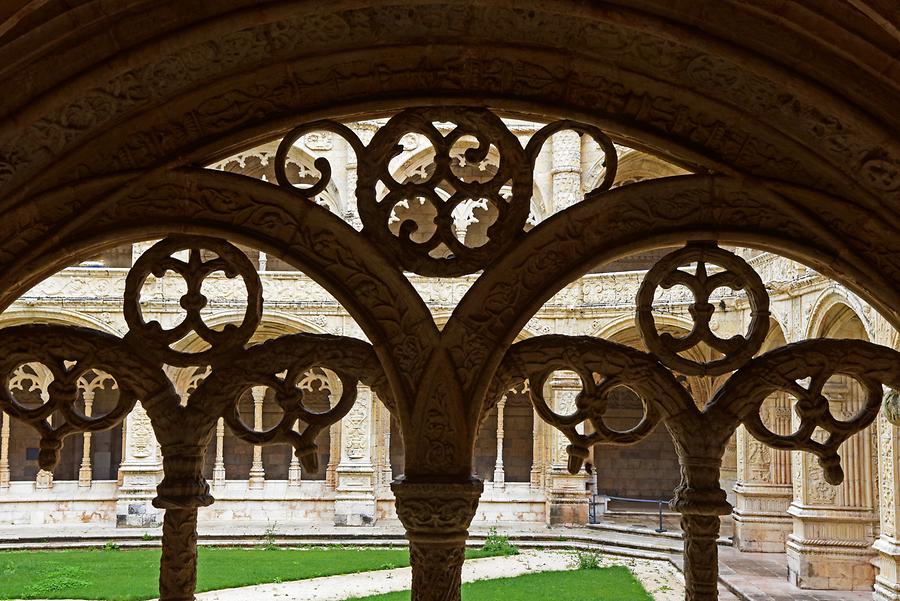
{"points": [[659, 578]]}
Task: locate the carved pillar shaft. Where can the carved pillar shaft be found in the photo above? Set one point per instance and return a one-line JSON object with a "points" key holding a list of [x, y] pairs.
{"points": [[763, 488], [182, 490], [701, 557], [700, 501], [569, 497], [354, 503], [257, 471], [830, 546], [178, 563], [44, 478], [499, 473], [566, 168], [295, 473], [85, 472], [536, 476], [436, 517], [219, 465], [887, 582], [386, 469], [4, 451]]}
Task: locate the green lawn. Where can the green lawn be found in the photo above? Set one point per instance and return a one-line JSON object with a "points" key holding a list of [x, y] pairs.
{"points": [[125, 575], [604, 584]]}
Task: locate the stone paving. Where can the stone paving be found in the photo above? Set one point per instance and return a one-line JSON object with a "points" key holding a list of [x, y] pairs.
{"points": [[763, 577]]}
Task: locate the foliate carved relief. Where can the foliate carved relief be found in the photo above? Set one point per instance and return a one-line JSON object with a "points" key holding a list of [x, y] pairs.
{"points": [[140, 435], [434, 246], [888, 457], [737, 275], [702, 435], [356, 431], [72, 358]]}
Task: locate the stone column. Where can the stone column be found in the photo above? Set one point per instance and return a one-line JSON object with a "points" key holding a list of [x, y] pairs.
{"points": [[834, 526], [499, 474], [764, 490], [263, 261], [219, 465], [536, 476], [44, 478], [4, 451], [85, 473], [354, 503], [887, 583], [436, 517], [178, 562], [569, 495], [566, 169], [387, 473], [295, 472], [257, 471], [141, 471], [701, 502], [181, 492]]}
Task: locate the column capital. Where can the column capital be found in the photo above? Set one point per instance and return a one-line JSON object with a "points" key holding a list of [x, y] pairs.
{"points": [[436, 515], [437, 511]]}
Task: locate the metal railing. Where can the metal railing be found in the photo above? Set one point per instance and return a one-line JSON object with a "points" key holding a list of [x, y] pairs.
{"points": [[595, 500]]}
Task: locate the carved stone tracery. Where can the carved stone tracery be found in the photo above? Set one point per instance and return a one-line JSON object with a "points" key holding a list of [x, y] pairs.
{"points": [[441, 384]]}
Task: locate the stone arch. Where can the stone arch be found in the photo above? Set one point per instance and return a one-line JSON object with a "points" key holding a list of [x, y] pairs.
{"points": [[17, 316], [831, 310], [106, 448], [259, 163], [711, 77], [276, 459], [853, 506], [634, 166], [776, 111]]}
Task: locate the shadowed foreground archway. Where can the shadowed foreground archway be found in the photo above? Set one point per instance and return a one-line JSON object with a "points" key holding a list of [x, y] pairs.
{"points": [[799, 158]]}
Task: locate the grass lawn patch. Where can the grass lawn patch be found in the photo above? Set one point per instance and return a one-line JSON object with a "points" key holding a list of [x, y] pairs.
{"points": [[605, 584], [131, 575]]}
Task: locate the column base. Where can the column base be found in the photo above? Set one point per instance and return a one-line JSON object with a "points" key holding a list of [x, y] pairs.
{"points": [[761, 521], [134, 506], [568, 499], [885, 591], [85, 477], [823, 566], [887, 583], [44, 480], [354, 503], [831, 549]]}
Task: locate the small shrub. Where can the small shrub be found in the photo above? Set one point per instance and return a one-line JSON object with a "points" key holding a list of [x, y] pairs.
{"points": [[146, 536], [587, 560], [387, 566], [111, 546], [270, 540], [498, 544]]}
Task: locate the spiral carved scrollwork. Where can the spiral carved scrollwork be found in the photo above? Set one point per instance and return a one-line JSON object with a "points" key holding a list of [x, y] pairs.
{"points": [[700, 436], [152, 338], [280, 365], [136, 362], [802, 370], [507, 192], [736, 275], [68, 353], [602, 367]]}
